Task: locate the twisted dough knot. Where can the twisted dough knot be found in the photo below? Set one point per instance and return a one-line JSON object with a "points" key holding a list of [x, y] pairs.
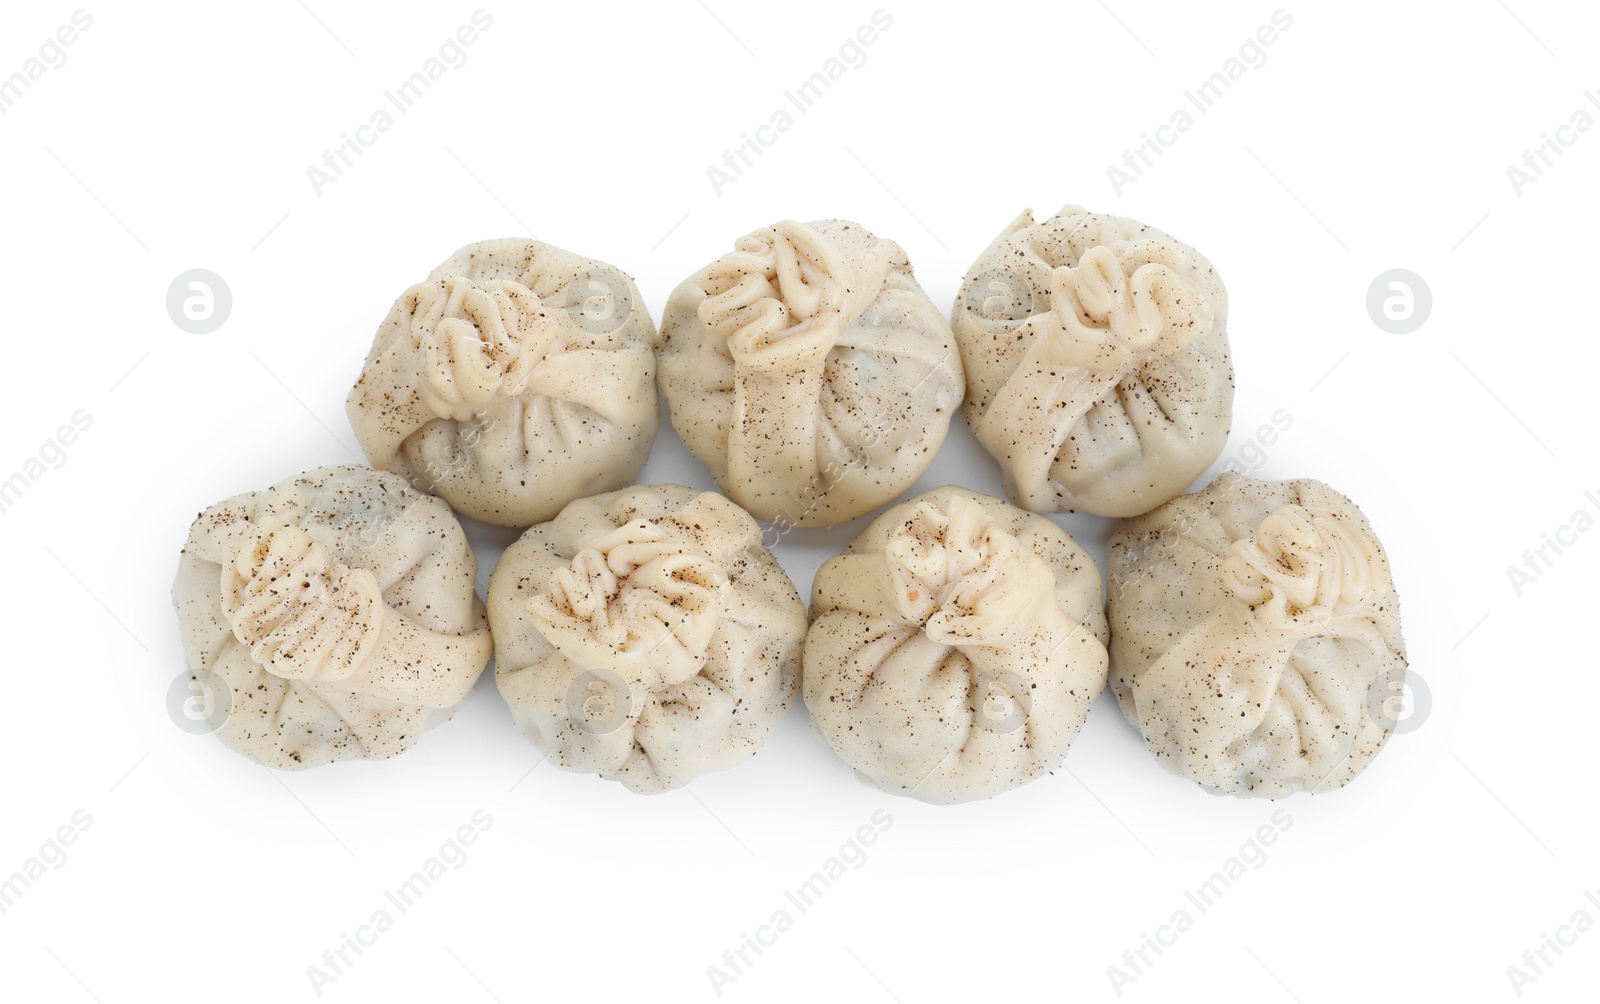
{"points": [[959, 574], [1303, 567], [636, 601], [1126, 303], [302, 613], [478, 342], [784, 296]]}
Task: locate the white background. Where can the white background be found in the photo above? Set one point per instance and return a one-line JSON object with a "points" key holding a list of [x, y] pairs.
{"points": [[1374, 136]]}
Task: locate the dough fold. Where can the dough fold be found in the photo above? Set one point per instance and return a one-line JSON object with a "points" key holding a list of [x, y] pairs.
{"points": [[646, 635], [1097, 362], [955, 647], [808, 370], [336, 609], [514, 379], [1256, 636]]}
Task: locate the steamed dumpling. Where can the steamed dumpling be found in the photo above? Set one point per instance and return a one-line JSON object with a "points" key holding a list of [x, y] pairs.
{"points": [[955, 648], [514, 379], [810, 372], [646, 635], [1096, 353], [336, 611], [1256, 636]]}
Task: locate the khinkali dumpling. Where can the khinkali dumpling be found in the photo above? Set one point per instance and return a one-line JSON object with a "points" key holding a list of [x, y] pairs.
{"points": [[955, 648], [809, 371], [335, 613], [1096, 353], [514, 379], [646, 635], [1255, 636]]}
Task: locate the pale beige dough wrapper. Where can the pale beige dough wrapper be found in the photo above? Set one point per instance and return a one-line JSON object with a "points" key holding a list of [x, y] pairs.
{"points": [[1256, 636], [1096, 354], [646, 635], [514, 379], [955, 648], [337, 608], [809, 371]]}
